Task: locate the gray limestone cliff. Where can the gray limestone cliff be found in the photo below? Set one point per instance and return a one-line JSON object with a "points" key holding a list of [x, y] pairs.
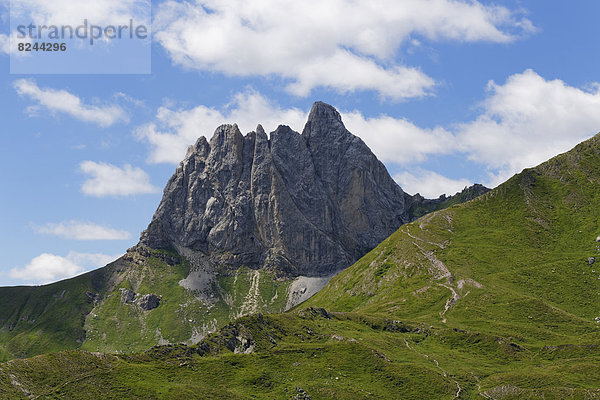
{"points": [[305, 204], [301, 204]]}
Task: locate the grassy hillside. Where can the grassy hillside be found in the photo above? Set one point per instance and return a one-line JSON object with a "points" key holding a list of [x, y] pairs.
{"points": [[512, 262], [35, 320], [318, 355], [89, 312]]}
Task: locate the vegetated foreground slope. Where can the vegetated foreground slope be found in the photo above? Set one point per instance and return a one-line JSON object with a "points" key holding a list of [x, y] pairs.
{"points": [[313, 354], [142, 299], [518, 262], [496, 298]]}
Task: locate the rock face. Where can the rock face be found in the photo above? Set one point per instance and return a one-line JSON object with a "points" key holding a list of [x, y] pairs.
{"points": [[127, 296], [305, 204], [301, 204], [148, 302], [420, 206]]}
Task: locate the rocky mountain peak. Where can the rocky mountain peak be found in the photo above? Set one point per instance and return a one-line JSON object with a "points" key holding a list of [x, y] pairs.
{"points": [[260, 130], [322, 115], [324, 128], [300, 204], [227, 137]]}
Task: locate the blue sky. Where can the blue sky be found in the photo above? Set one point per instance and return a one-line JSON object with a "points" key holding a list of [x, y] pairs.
{"points": [[445, 92]]}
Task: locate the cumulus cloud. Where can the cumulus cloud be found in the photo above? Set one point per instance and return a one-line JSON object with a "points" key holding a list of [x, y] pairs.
{"points": [[398, 140], [429, 184], [528, 120], [47, 268], [109, 180], [346, 72], [521, 123], [346, 45], [62, 101], [80, 230], [173, 130]]}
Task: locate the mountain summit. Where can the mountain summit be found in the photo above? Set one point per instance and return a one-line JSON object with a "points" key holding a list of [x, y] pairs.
{"points": [[300, 204]]}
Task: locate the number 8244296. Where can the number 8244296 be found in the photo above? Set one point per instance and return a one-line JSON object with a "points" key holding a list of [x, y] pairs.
{"points": [[43, 46]]}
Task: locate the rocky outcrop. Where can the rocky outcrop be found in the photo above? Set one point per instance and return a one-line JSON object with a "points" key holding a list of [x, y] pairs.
{"points": [[301, 395], [127, 296], [301, 204], [148, 302], [419, 206]]}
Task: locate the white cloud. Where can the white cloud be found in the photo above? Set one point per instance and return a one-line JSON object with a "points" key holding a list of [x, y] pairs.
{"points": [[80, 230], [522, 123], [397, 140], [527, 121], [110, 180], [429, 184], [47, 268], [346, 45], [61, 101], [174, 130], [347, 72]]}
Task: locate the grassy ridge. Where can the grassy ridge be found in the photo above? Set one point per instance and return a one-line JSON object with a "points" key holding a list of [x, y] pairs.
{"points": [[35, 320], [87, 312], [327, 355], [518, 258]]}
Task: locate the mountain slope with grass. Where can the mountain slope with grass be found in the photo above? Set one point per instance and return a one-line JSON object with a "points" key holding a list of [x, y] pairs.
{"points": [[315, 354], [136, 302], [518, 260]]}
